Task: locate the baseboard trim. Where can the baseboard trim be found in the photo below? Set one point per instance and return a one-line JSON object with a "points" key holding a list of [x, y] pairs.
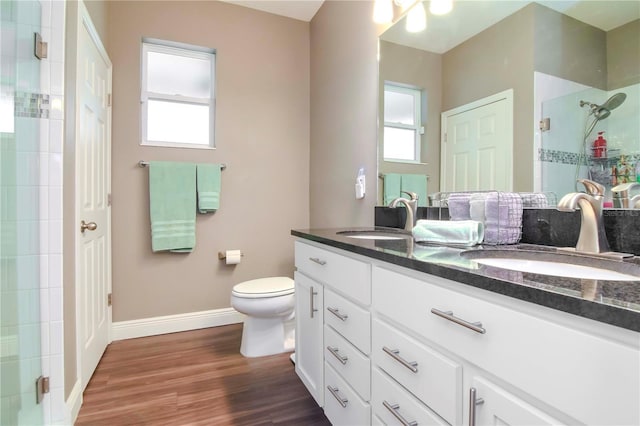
{"points": [[74, 402], [174, 323]]}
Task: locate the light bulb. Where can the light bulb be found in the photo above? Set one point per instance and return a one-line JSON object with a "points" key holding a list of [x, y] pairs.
{"points": [[416, 19], [382, 11], [440, 7]]}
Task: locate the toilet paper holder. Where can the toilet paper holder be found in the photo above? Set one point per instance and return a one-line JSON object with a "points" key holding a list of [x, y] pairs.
{"points": [[223, 255]]}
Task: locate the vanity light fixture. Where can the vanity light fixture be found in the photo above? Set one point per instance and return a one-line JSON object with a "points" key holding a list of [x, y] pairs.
{"points": [[382, 11], [416, 19], [440, 7]]}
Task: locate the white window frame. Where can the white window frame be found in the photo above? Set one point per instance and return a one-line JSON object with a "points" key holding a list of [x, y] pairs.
{"points": [[185, 50], [417, 120]]}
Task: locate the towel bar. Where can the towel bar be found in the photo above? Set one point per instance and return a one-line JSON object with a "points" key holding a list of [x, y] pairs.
{"points": [[143, 163]]}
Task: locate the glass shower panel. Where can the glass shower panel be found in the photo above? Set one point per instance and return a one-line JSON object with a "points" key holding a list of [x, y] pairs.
{"points": [[20, 113]]}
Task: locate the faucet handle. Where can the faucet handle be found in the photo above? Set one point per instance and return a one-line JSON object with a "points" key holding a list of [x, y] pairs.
{"points": [[593, 188], [624, 188], [412, 195]]}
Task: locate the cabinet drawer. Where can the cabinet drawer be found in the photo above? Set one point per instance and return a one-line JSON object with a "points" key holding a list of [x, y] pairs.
{"points": [[543, 358], [390, 401], [352, 365], [348, 319], [431, 377], [342, 405], [347, 275]]}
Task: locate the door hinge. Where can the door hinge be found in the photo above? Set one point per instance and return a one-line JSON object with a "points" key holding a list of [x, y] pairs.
{"points": [[545, 124], [109, 99], [109, 299], [42, 387], [108, 199], [40, 48]]}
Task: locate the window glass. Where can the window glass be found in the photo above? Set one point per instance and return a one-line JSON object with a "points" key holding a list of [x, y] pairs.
{"points": [[178, 122], [178, 95], [399, 144], [399, 108], [178, 75]]}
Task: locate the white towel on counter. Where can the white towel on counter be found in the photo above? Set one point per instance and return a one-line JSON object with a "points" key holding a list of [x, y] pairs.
{"points": [[459, 232]]}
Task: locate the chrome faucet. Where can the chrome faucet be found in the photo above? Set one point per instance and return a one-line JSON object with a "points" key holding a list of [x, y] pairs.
{"points": [[592, 237], [411, 206], [621, 198]]}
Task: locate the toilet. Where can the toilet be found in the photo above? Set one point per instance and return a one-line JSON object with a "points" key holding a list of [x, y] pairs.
{"points": [[269, 325]]}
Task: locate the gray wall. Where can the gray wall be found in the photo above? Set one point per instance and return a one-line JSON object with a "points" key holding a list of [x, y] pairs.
{"points": [[623, 55], [262, 134], [421, 69], [344, 99], [490, 63]]}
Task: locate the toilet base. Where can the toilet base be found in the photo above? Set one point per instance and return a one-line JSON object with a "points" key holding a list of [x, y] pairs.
{"points": [[267, 336]]}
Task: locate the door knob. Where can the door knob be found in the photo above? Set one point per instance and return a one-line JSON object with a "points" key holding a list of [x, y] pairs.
{"points": [[91, 226]]}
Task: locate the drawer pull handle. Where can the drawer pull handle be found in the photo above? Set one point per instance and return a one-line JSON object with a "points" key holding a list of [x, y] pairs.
{"points": [[336, 312], [318, 261], [475, 326], [341, 400], [394, 408], [473, 401], [334, 351], [312, 309], [395, 354]]}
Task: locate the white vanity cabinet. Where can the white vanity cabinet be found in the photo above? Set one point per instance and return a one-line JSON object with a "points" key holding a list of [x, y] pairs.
{"points": [[528, 364], [309, 338], [391, 345], [346, 332]]}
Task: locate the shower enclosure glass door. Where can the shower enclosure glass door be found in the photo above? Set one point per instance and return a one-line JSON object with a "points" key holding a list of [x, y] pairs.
{"points": [[20, 240]]}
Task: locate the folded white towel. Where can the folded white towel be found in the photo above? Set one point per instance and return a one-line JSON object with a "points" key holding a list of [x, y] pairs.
{"points": [[459, 206], [459, 232]]}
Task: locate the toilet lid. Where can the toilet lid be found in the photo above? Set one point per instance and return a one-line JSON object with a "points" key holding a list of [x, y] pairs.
{"points": [[264, 287]]}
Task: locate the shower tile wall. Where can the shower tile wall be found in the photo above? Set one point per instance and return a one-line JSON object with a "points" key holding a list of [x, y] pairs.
{"points": [[31, 168], [51, 142]]}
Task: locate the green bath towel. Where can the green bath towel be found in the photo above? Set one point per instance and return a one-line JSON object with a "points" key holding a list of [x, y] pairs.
{"points": [[209, 179], [172, 202], [391, 185], [417, 184]]}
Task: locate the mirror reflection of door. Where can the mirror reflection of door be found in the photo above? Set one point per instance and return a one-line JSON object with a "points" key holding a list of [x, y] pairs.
{"points": [[477, 145]]}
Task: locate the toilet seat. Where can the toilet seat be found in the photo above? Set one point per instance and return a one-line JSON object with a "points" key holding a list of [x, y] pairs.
{"points": [[264, 288]]}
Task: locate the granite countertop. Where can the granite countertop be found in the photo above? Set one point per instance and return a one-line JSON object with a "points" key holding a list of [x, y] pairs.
{"points": [[612, 302]]}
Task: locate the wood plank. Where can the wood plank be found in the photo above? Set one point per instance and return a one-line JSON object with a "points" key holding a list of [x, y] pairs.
{"points": [[195, 378]]}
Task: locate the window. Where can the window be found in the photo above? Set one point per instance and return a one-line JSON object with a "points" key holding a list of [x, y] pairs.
{"points": [[402, 124], [178, 95]]}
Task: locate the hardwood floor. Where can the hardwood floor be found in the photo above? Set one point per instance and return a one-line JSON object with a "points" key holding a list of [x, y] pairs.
{"points": [[195, 378]]}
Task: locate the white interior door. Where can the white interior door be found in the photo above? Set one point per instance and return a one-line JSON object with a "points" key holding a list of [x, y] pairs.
{"points": [[477, 146], [93, 186]]}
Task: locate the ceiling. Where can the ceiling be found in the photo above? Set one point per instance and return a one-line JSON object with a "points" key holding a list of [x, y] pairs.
{"points": [[470, 17], [303, 10]]}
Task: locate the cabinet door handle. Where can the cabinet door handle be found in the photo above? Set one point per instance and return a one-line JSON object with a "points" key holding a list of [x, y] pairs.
{"points": [[334, 351], [395, 354], [318, 261], [448, 315], [336, 312], [473, 402], [394, 409], [341, 400], [312, 309]]}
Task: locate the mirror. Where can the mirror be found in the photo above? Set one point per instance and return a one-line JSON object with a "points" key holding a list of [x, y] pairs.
{"points": [[558, 65]]}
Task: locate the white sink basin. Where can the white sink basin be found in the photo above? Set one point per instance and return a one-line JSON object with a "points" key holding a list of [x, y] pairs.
{"points": [[556, 264], [557, 269]]}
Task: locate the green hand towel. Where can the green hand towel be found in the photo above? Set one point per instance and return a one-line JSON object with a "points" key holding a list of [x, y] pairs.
{"points": [[172, 202], [417, 184], [391, 187], [209, 178]]}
